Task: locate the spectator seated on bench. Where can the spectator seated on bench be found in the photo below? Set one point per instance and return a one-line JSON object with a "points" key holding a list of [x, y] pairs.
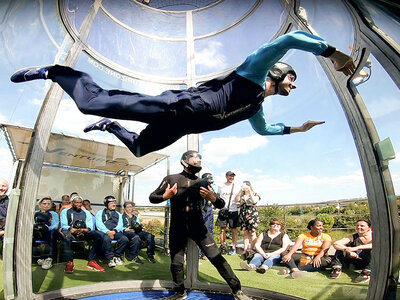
{"points": [[134, 229], [77, 225], [45, 231], [109, 222]]}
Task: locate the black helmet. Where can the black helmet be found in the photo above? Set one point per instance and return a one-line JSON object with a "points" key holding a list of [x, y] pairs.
{"points": [[208, 178], [206, 175], [185, 161], [279, 71], [109, 199]]}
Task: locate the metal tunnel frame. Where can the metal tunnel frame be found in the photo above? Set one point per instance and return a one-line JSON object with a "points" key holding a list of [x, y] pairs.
{"points": [[379, 186]]}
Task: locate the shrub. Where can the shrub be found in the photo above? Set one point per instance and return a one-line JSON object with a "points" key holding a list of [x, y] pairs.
{"points": [[327, 219], [155, 227]]}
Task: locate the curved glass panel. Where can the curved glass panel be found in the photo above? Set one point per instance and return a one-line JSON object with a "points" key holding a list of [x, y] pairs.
{"points": [[77, 11], [211, 54], [382, 17], [322, 16], [177, 5], [42, 43], [384, 109], [319, 166], [162, 24], [137, 52], [228, 13], [107, 79]]}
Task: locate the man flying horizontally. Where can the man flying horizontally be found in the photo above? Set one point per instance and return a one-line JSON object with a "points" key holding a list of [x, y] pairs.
{"points": [[213, 105]]}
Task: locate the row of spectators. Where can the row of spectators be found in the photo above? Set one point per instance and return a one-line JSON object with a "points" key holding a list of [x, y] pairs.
{"points": [[310, 251], [107, 227]]}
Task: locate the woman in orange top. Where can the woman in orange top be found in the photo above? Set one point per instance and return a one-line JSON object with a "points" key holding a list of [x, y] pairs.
{"points": [[312, 256]]}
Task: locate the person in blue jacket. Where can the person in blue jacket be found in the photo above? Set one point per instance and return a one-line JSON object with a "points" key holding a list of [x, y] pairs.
{"points": [[213, 105], [109, 222], [45, 228], [77, 225]]}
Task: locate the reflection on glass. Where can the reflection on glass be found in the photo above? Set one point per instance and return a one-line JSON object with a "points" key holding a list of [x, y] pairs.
{"points": [[382, 99], [77, 10], [322, 16], [228, 12], [137, 52], [364, 74], [211, 53], [381, 14], [152, 22]]}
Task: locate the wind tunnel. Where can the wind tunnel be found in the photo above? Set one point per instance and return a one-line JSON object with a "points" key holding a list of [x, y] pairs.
{"points": [[156, 45]]}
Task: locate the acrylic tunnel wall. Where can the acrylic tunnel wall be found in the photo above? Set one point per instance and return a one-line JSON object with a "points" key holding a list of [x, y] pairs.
{"points": [[343, 170]]}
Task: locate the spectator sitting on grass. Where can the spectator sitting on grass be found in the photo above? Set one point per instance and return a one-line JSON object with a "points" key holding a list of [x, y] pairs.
{"points": [[269, 245], [354, 249], [312, 256]]}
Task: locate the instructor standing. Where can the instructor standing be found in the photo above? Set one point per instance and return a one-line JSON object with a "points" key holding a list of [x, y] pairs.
{"points": [[186, 193]]}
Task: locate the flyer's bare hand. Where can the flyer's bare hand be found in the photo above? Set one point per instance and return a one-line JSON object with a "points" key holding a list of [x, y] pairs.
{"points": [[310, 124], [343, 63]]}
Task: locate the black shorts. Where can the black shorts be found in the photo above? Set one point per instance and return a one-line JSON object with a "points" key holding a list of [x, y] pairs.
{"points": [[232, 221]]}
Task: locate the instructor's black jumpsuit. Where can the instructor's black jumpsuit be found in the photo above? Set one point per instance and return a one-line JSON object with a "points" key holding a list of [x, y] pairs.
{"points": [[187, 222]]}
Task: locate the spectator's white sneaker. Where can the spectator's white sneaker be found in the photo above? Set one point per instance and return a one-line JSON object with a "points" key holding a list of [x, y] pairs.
{"points": [[47, 263], [111, 263], [118, 261], [40, 261]]}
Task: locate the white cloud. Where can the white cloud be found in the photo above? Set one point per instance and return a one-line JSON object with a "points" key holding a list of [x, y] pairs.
{"points": [[383, 106], [69, 120], [344, 180], [36, 101], [3, 118], [211, 56], [219, 150]]}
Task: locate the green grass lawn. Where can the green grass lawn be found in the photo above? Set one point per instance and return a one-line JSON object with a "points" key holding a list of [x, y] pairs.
{"points": [[315, 286]]}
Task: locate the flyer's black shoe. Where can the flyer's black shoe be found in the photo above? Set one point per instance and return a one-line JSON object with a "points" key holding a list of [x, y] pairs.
{"points": [[30, 73], [99, 125]]}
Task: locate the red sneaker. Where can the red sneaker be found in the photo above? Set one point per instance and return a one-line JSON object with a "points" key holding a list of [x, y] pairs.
{"points": [[69, 267], [93, 265]]}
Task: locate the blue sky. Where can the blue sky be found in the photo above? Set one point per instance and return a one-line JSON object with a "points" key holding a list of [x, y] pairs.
{"points": [[319, 165]]}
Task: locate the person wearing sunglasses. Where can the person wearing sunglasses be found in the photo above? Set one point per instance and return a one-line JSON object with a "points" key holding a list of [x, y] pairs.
{"points": [[270, 246]]}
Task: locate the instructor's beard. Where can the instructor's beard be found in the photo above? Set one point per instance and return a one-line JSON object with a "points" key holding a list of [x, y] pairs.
{"points": [[2, 196]]}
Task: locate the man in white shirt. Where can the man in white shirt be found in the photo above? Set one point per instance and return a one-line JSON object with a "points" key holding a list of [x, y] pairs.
{"points": [[228, 192]]}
